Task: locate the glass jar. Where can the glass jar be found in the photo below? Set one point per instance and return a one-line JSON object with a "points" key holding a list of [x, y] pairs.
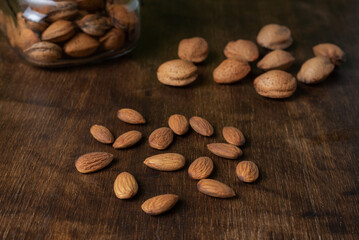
{"points": [[58, 33]]}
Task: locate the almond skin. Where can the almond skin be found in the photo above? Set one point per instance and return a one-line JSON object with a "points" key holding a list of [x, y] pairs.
{"points": [[161, 138], [315, 70], [179, 124], [215, 188], [125, 186], [230, 71], [242, 49], [127, 139], [200, 168], [277, 59], [225, 150], [193, 49], [201, 126], [274, 36], [92, 162], [247, 171], [177, 73], [275, 84], [233, 136], [331, 51], [59, 31], [130, 116], [101, 134], [166, 162], [159, 204]]}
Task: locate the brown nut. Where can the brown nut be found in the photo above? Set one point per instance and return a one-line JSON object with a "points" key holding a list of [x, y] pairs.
{"points": [[247, 171], [177, 73], [331, 51], [94, 25], [275, 84], [277, 59], [230, 71], [179, 124], [193, 49], [61, 10], [81, 45], [113, 40], [160, 138], [90, 5], [315, 70], [274, 36], [200, 168], [38, 27], [44, 52], [121, 18], [59, 31], [26, 38], [242, 49], [233, 136]]}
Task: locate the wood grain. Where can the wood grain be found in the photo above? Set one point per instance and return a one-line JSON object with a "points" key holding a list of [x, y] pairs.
{"points": [[306, 147]]}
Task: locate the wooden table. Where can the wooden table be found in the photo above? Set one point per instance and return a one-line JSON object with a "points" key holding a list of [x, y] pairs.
{"points": [[306, 146]]}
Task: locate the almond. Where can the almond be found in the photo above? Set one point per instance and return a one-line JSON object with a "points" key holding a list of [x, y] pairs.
{"points": [[331, 51], [60, 10], [233, 136], [242, 49], [225, 150], [113, 40], [159, 204], [166, 162], [127, 139], [315, 70], [177, 73], [26, 38], [274, 36], [94, 25], [201, 168], [125, 186], [161, 138], [44, 52], [230, 71], [92, 162], [178, 123], [59, 31], [130, 116], [247, 171], [277, 59], [215, 188], [193, 49], [101, 134], [201, 126], [121, 18], [81, 45]]}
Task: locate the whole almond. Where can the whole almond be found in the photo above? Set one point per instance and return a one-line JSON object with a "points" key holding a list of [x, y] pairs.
{"points": [[92, 162], [60, 10], [275, 84], [247, 171], [201, 126], [177, 73], [161, 138], [101, 134], [315, 70], [274, 36], [233, 136], [193, 49], [121, 18], [113, 40], [90, 5], [125, 186], [225, 150], [230, 71], [215, 188], [277, 59], [44, 52], [130, 116], [59, 31], [331, 51], [166, 162], [242, 49], [200, 168], [81, 45], [94, 25], [159, 204], [127, 139], [178, 123]]}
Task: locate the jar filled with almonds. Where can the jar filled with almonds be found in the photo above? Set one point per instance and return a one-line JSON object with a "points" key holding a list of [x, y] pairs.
{"points": [[57, 33]]}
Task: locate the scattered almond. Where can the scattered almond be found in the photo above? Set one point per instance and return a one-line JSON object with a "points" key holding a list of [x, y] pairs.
{"points": [[159, 204], [130, 116], [233, 136], [247, 171], [125, 186], [92, 162], [101, 134], [201, 126], [244, 50], [331, 51], [215, 188], [127, 139], [193, 49], [274, 36], [166, 162], [200, 168], [178, 123], [277, 59], [225, 150], [315, 70], [161, 138], [177, 73], [230, 71]]}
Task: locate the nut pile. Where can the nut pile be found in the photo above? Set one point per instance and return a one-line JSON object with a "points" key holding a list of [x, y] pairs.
{"points": [[275, 83], [74, 29], [126, 186]]}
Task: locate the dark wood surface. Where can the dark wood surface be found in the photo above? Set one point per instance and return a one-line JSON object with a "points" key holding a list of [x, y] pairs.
{"points": [[306, 146]]}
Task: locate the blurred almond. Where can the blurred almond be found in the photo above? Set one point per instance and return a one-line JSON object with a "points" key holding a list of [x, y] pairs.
{"points": [[201, 126], [127, 139], [230, 71], [81, 45], [92, 162], [130, 116], [166, 162], [94, 25], [60, 10], [125, 186], [113, 40], [247, 171], [274, 36], [331, 51], [161, 138], [177, 73], [200, 168], [193, 49], [233, 136], [315, 70], [59, 31], [101, 134], [215, 188], [178, 123], [44, 52], [277, 59], [90, 5], [225, 150], [159, 204], [242, 49]]}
